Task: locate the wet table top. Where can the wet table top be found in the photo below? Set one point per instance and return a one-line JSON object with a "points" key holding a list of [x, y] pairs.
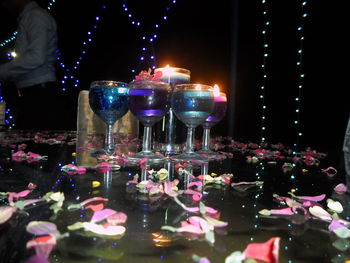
{"points": [[241, 188]]}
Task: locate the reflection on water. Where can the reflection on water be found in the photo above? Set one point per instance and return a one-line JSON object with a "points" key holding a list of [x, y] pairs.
{"points": [[87, 144]]}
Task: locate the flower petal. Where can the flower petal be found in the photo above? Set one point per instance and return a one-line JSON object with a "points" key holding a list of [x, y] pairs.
{"points": [[267, 252], [42, 228], [340, 189], [109, 231], [319, 212], [102, 214], [43, 247], [6, 213]]}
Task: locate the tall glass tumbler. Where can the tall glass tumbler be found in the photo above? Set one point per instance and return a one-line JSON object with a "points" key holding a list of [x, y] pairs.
{"points": [[192, 104], [110, 101], [149, 102], [169, 135]]}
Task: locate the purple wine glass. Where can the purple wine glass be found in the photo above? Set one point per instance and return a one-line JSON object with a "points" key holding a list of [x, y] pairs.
{"points": [[149, 103]]}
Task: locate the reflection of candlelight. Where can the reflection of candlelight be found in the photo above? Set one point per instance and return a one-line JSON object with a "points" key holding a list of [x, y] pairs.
{"points": [[161, 240]]}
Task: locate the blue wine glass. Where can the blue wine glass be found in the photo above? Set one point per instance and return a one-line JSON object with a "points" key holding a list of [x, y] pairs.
{"points": [[192, 104], [220, 106], [149, 103], [110, 101]]}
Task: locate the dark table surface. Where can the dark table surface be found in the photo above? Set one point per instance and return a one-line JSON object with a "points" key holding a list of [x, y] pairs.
{"points": [[303, 239]]}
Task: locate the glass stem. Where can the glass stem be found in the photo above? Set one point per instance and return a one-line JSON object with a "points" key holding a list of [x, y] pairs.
{"points": [[109, 139], [206, 139], [146, 143], [190, 140]]}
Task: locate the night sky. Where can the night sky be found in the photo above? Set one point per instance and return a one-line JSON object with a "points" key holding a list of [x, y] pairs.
{"points": [[200, 36]]}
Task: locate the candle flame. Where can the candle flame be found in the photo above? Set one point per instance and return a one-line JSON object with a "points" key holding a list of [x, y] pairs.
{"points": [[216, 90], [167, 70]]}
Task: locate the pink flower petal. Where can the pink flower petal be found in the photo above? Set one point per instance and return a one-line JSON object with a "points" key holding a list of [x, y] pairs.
{"points": [[109, 231], [33, 155], [117, 218], [330, 171], [170, 188], [316, 198], [198, 221], [282, 211], [104, 165], [14, 196], [335, 224], [37, 259], [81, 170], [42, 245], [94, 199], [20, 154], [267, 252], [6, 213], [102, 214], [340, 189], [190, 229]]}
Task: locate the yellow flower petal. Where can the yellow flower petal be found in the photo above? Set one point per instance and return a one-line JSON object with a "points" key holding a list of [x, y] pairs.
{"points": [[96, 184]]}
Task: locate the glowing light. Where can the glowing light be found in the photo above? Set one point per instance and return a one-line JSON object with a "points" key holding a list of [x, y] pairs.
{"points": [[216, 90], [13, 54]]}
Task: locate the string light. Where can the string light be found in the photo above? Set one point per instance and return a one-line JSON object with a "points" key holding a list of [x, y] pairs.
{"points": [[14, 34], [147, 55], [301, 74], [69, 72], [264, 33], [9, 40]]}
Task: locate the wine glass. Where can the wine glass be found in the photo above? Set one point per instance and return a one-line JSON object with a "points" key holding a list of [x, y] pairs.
{"points": [[220, 106], [110, 101], [149, 103], [192, 104]]}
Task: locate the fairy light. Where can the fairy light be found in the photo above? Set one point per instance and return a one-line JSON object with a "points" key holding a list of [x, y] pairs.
{"points": [[69, 71], [264, 33], [301, 74], [14, 34], [9, 40], [146, 55]]}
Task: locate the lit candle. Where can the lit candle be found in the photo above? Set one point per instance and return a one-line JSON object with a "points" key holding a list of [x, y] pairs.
{"points": [[219, 96], [174, 75]]}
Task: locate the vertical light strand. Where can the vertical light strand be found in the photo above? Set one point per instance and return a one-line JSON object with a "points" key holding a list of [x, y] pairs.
{"points": [[147, 54], [301, 75], [264, 33]]}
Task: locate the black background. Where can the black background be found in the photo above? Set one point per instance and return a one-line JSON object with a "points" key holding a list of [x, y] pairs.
{"points": [[200, 36]]}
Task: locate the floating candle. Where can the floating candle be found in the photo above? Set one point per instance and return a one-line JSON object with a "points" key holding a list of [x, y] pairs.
{"points": [[174, 75]]}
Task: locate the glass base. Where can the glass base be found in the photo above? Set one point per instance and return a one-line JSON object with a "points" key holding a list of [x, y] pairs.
{"points": [[169, 149], [191, 157], [211, 154], [151, 157]]}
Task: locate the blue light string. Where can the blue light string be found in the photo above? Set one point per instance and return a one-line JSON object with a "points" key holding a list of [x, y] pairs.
{"points": [[264, 33], [147, 53], [14, 34], [70, 72], [301, 74]]}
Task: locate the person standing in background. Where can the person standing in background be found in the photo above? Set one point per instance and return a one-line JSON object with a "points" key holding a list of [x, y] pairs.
{"points": [[33, 67]]}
